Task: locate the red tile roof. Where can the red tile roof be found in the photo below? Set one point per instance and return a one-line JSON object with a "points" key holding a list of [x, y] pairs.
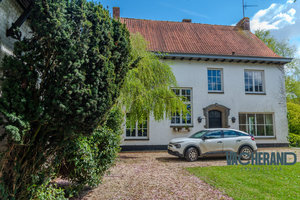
{"points": [[195, 38]]}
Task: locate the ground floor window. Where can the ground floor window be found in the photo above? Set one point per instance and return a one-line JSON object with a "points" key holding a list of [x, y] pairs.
{"points": [[257, 124], [136, 130], [178, 119]]}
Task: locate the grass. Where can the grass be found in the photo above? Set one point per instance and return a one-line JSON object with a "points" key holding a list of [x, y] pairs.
{"points": [[272, 182]]}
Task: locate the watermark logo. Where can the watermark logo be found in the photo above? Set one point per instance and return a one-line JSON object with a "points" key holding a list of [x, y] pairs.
{"points": [[261, 158]]}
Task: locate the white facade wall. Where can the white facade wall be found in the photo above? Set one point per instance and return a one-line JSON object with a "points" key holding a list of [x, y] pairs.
{"points": [[10, 11], [194, 74]]}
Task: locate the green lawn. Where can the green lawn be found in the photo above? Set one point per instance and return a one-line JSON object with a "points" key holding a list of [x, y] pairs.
{"points": [[241, 183]]}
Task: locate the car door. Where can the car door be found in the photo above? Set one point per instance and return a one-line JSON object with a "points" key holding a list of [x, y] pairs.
{"points": [[212, 142], [231, 140]]}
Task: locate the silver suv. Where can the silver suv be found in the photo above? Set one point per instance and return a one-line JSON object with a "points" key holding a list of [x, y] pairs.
{"points": [[212, 142]]}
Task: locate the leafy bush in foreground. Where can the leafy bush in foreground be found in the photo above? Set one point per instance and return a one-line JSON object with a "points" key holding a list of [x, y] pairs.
{"points": [[86, 159], [58, 87]]}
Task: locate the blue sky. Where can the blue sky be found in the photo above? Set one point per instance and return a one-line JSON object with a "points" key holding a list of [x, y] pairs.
{"points": [[281, 17]]}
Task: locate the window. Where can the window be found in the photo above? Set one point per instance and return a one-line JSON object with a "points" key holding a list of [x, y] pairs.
{"points": [[136, 130], [214, 135], [230, 134], [254, 81], [215, 80], [177, 118], [256, 124], [198, 134]]}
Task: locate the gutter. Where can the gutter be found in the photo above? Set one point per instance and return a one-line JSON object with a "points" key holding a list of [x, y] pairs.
{"points": [[223, 58]]}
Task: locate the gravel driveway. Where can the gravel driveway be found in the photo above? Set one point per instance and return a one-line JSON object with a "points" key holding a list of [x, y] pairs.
{"points": [[157, 175]]}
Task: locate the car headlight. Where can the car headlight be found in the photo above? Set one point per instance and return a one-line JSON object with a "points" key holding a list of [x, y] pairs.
{"points": [[177, 144]]}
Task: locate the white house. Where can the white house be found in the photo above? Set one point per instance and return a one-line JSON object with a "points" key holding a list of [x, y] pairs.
{"points": [[229, 77]]}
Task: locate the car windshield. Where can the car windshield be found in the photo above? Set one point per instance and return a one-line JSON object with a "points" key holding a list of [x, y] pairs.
{"points": [[198, 134]]}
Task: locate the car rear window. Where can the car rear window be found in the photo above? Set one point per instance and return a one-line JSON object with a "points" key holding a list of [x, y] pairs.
{"points": [[230, 133], [243, 134]]}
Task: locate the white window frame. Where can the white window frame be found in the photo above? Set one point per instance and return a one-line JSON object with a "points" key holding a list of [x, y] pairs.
{"points": [[253, 81], [222, 82], [136, 137], [186, 102], [255, 124]]}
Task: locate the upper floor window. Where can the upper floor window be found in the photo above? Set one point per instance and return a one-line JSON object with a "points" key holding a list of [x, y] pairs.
{"points": [[215, 80], [254, 81], [256, 124], [136, 130], [178, 118]]}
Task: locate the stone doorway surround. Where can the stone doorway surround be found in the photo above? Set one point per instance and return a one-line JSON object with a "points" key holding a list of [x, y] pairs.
{"points": [[223, 109]]}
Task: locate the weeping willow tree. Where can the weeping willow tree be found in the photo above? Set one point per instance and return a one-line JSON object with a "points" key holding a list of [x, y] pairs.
{"points": [[147, 88]]}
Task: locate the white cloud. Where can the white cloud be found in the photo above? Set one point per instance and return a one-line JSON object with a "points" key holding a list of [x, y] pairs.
{"points": [[292, 11], [283, 20], [274, 17]]}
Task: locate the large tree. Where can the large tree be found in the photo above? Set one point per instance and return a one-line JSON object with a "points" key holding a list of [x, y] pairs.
{"points": [[58, 86]]}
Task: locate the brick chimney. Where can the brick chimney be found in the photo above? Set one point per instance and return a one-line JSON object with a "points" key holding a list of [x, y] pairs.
{"points": [[116, 12], [187, 20], [244, 24]]}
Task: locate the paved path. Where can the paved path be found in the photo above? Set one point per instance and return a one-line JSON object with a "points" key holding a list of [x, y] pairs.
{"points": [[157, 175]]}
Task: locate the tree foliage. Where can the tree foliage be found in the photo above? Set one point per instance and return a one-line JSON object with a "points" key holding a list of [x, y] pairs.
{"points": [[292, 89], [294, 117], [294, 123], [147, 88], [58, 87]]}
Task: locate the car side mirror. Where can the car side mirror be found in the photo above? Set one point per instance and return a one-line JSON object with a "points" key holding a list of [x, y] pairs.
{"points": [[204, 138]]}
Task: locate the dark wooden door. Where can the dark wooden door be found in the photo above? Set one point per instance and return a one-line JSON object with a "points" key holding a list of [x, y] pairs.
{"points": [[215, 119]]}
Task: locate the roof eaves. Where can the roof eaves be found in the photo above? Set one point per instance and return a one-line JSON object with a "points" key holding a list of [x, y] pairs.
{"points": [[222, 58]]}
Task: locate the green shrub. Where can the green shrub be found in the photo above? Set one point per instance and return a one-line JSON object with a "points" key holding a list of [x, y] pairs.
{"points": [[46, 191], [294, 118], [294, 140], [86, 159]]}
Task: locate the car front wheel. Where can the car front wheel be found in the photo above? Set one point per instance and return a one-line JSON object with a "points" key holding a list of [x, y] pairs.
{"points": [[191, 154]]}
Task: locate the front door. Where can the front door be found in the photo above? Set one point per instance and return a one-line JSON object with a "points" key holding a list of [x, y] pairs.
{"points": [[215, 119]]}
